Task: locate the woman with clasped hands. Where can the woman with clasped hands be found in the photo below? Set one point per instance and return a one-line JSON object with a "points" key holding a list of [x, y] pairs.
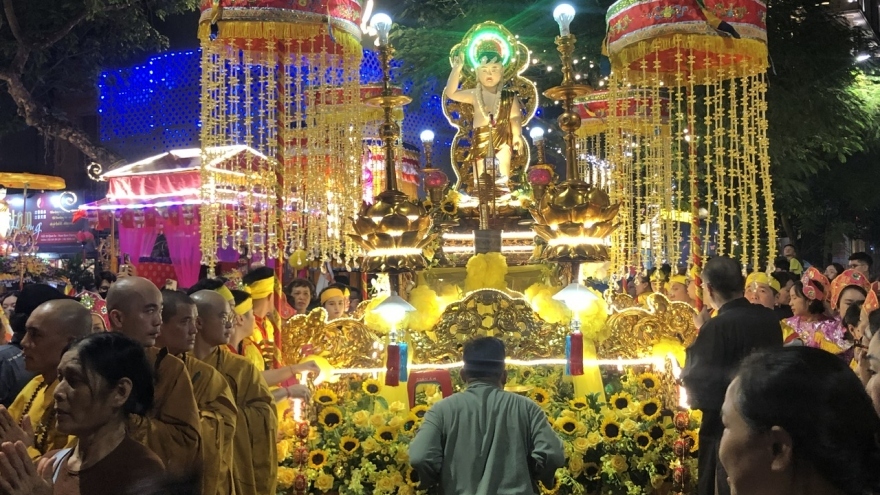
{"points": [[102, 379]]}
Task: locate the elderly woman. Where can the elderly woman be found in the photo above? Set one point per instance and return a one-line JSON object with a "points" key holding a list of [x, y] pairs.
{"points": [[102, 379], [797, 421]]}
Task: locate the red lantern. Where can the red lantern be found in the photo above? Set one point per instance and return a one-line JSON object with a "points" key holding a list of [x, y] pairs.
{"points": [[436, 178], [300, 483], [540, 176], [301, 455], [682, 420], [302, 430]]}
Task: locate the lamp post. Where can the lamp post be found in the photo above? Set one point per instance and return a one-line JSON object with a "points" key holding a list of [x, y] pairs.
{"points": [[393, 310], [576, 298], [573, 217], [394, 229]]}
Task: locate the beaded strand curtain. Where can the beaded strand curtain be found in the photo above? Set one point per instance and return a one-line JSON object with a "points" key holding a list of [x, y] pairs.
{"points": [[710, 59], [289, 88]]}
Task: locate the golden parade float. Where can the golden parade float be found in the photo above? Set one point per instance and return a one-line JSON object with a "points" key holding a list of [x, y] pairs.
{"points": [[506, 248]]}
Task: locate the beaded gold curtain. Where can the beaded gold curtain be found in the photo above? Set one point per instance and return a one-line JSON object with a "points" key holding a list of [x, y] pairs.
{"points": [[286, 83], [625, 136], [709, 58]]}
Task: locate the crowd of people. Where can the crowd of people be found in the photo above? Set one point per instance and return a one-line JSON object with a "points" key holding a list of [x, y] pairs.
{"points": [[134, 389]]}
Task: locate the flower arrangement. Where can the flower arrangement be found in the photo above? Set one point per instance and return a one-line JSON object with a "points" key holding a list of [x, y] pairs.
{"points": [[625, 446], [359, 442]]}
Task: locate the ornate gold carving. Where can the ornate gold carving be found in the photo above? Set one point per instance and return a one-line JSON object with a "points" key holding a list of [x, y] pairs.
{"points": [[488, 312], [345, 342], [635, 330]]}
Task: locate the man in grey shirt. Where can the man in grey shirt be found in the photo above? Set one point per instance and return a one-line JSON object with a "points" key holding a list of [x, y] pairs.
{"points": [[485, 441]]}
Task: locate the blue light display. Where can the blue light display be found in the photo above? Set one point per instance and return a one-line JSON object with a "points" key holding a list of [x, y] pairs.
{"points": [[151, 108]]}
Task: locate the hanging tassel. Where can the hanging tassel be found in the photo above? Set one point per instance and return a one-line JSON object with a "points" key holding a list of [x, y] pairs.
{"points": [[568, 355], [575, 345], [392, 366], [404, 357]]}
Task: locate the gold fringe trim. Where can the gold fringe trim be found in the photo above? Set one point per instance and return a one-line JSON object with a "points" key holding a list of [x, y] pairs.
{"points": [[280, 32], [752, 58]]}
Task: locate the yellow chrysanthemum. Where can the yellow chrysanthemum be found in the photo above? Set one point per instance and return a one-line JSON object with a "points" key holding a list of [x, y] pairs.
{"points": [[282, 450], [324, 482], [325, 397], [580, 445], [566, 425], [370, 445], [317, 458], [618, 463], [579, 404], [349, 444], [360, 418], [419, 411], [621, 401], [648, 381], [412, 477], [643, 440], [576, 464], [386, 434], [371, 387], [330, 417], [540, 396], [650, 409], [285, 477], [610, 429], [592, 471]]}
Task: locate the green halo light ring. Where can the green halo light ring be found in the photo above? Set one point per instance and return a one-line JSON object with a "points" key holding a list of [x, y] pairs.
{"points": [[488, 33]]}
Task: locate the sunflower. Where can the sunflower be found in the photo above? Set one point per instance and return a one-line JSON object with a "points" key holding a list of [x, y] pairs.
{"points": [[656, 432], [371, 387], [526, 374], [419, 411], [449, 207], [621, 401], [552, 490], [386, 434], [330, 417], [648, 381], [579, 404], [411, 477], [410, 424], [325, 397], [540, 396], [610, 429], [427, 204], [643, 440], [348, 444], [592, 470], [317, 459], [566, 425], [650, 409]]}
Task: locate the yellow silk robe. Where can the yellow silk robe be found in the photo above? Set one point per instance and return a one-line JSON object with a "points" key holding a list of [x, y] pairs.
{"points": [[217, 414], [171, 427], [41, 413], [255, 464]]}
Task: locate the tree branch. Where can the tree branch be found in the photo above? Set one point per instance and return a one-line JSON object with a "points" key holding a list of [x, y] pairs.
{"points": [[58, 35], [12, 19], [57, 126]]}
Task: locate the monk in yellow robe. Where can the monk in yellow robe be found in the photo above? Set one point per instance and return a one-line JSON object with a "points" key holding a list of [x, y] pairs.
{"points": [[217, 411], [31, 418], [254, 460], [171, 428]]}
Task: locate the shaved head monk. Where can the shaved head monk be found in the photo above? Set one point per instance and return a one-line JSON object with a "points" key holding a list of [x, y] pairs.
{"points": [[171, 428], [31, 418]]}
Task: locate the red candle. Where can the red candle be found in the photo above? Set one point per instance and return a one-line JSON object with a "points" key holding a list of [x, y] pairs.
{"points": [[577, 354], [392, 366]]}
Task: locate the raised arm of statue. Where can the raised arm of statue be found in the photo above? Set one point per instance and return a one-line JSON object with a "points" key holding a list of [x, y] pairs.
{"points": [[452, 92]]}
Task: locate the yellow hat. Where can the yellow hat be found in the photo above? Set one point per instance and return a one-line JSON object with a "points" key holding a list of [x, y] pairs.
{"points": [[763, 279], [225, 292], [261, 289], [679, 279], [333, 292], [244, 307]]}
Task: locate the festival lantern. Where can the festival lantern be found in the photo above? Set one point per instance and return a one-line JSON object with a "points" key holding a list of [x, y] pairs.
{"points": [[282, 78], [709, 59]]}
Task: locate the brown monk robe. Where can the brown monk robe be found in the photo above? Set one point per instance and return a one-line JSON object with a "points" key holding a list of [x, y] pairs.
{"points": [[217, 410], [171, 427], [254, 459]]}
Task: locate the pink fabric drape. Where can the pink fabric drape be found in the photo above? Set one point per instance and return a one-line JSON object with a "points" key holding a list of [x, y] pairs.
{"points": [[137, 242], [184, 248]]}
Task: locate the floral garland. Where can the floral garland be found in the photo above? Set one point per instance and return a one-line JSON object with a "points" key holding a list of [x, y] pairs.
{"points": [[359, 442]]}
